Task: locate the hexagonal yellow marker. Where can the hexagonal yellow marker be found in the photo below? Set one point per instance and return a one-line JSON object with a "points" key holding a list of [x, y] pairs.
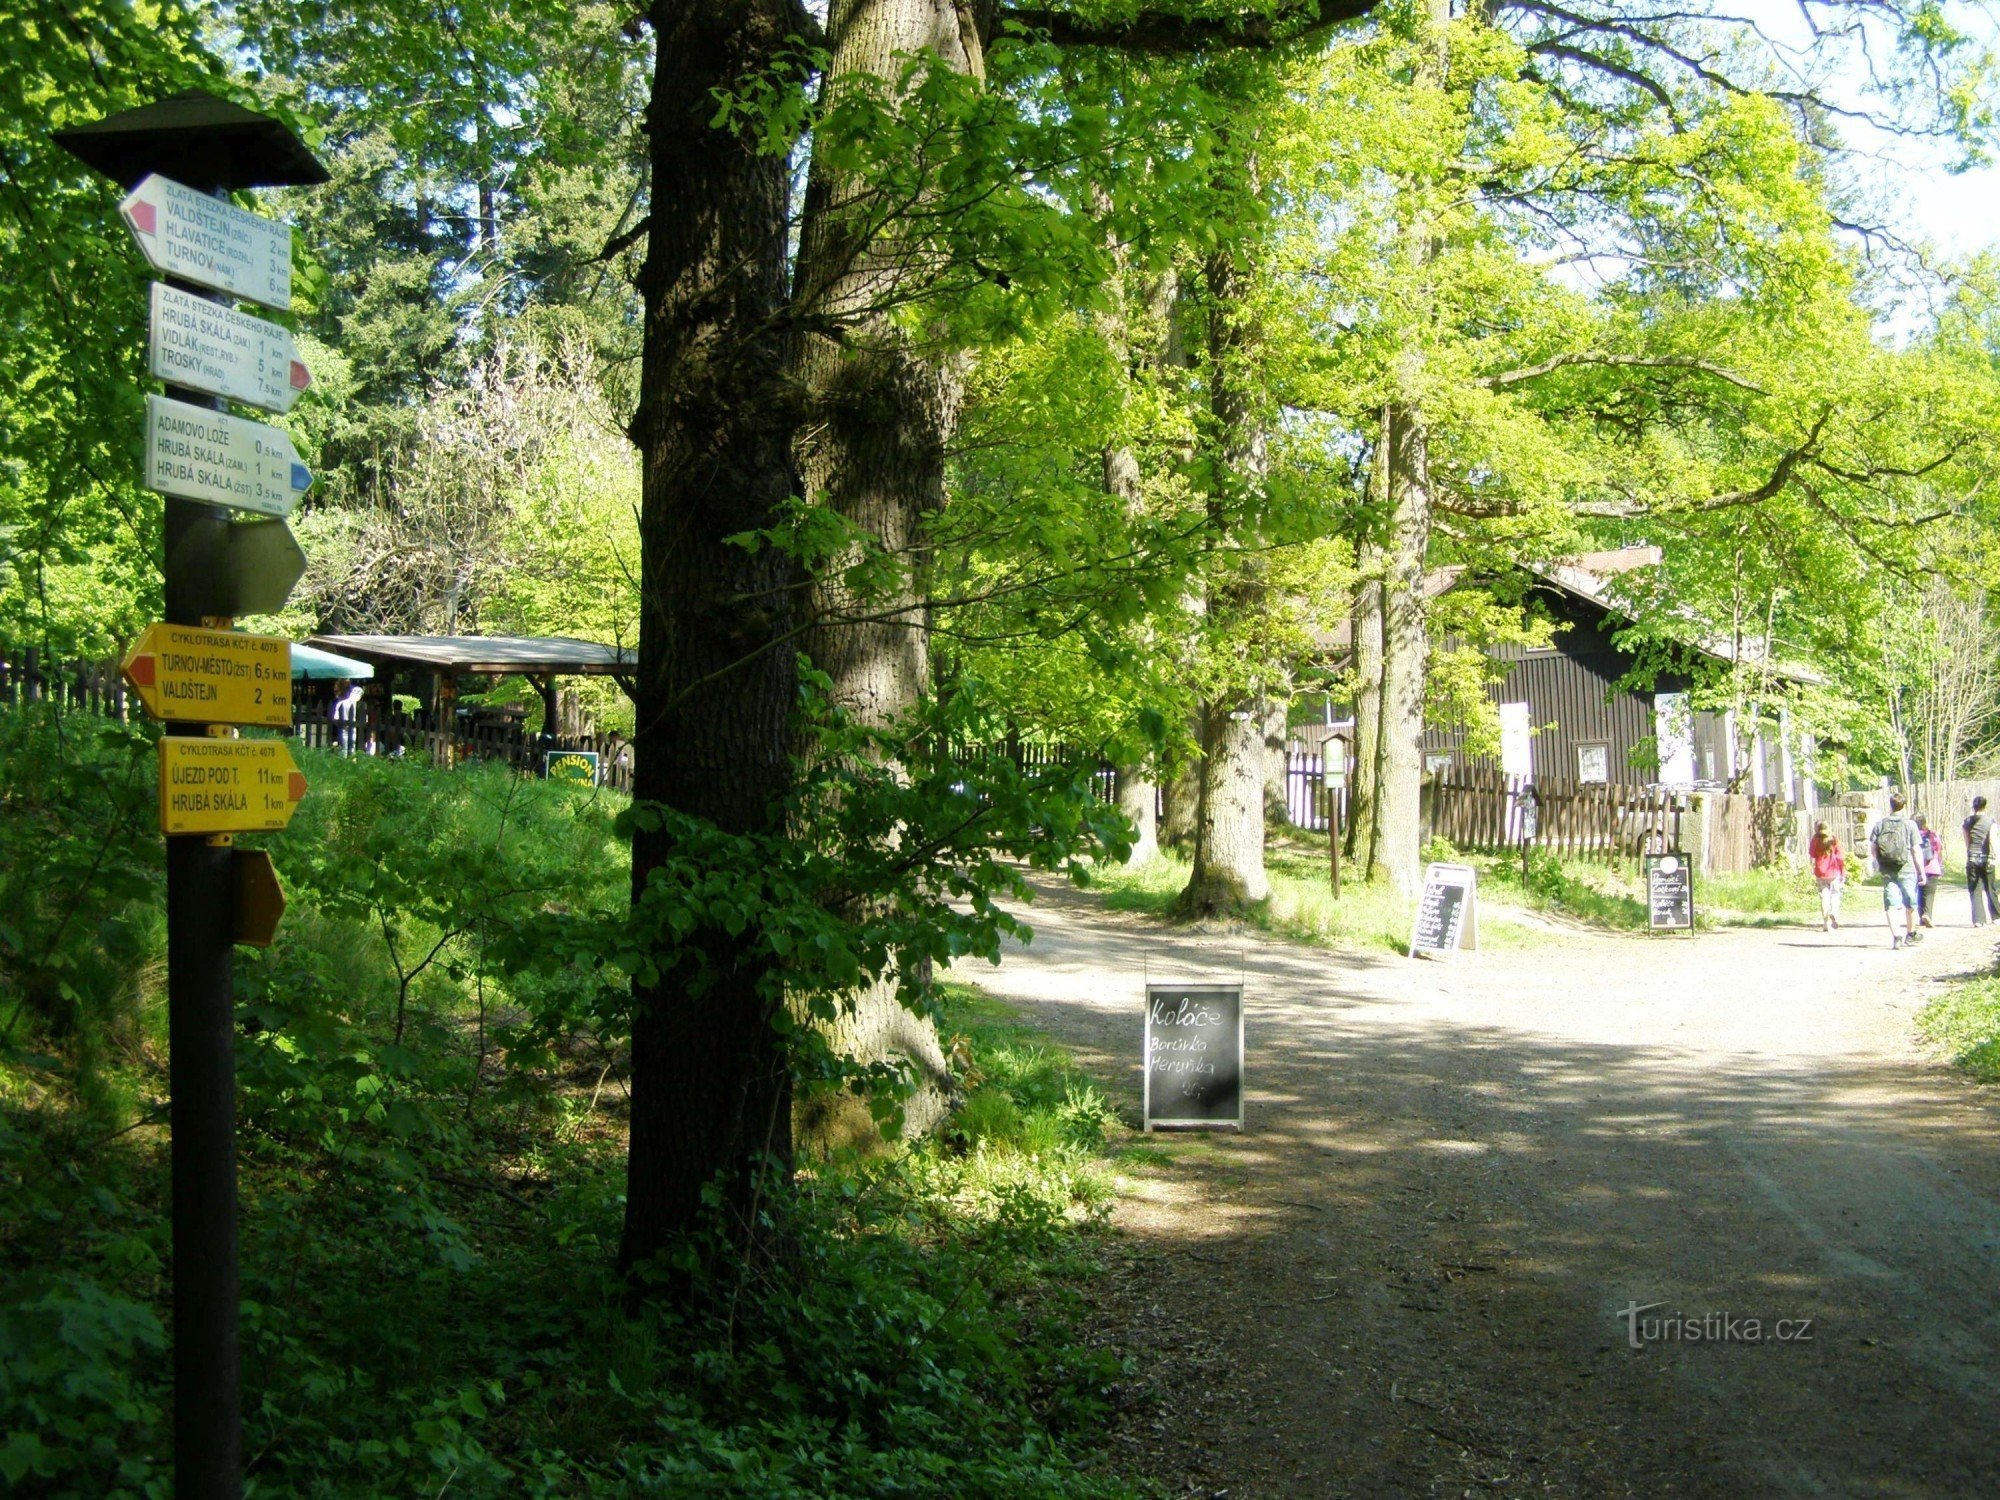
{"points": [[227, 786], [212, 676]]}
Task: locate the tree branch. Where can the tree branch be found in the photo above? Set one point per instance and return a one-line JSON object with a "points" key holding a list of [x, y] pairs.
{"points": [[1160, 33], [1622, 361]]}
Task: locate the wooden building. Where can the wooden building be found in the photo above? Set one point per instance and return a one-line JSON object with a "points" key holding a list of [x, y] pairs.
{"points": [[1565, 715]]}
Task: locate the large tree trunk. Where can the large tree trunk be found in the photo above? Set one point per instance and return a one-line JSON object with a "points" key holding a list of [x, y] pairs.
{"points": [[1365, 759], [1405, 653], [1228, 872], [1124, 480], [1182, 799], [881, 413], [711, 1092]]}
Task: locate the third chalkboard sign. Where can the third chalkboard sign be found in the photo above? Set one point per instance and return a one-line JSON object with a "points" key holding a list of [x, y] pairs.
{"points": [[1447, 910], [1194, 1055], [1669, 892]]}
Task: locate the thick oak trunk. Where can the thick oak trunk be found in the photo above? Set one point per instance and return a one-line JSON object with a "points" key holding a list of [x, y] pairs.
{"points": [[1228, 874], [1181, 798], [881, 413], [715, 685], [1405, 653]]}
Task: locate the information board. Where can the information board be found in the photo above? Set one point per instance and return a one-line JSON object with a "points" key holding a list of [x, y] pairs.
{"points": [[1447, 911], [1669, 892], [206, 346], [209, 242], [1194, 1056]]}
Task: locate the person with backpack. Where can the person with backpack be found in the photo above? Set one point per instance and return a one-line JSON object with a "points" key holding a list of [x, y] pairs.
{"points": [[1829, 867], [1979, 863], [1930, 867], [1894, 844]]}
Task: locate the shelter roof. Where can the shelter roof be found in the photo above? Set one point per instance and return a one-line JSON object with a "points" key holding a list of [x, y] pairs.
{"points": [[530, 656]]}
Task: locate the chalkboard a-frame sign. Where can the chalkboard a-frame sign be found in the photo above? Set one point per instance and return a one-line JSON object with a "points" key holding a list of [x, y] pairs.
{"points": [[1447, 910], [1669, 892], [1194, 1056]]}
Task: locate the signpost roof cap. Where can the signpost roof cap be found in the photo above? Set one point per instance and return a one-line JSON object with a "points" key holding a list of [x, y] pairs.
{"points": [[197, 139]]}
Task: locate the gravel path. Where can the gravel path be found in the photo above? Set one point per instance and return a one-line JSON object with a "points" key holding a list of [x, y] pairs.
{"points": [[1406, 1277]]}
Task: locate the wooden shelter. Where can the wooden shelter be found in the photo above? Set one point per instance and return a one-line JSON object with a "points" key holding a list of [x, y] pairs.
{"points": [[435, 663]]}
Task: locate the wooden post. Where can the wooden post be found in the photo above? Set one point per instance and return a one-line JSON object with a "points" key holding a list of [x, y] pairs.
{"points": [[1333, 827]]}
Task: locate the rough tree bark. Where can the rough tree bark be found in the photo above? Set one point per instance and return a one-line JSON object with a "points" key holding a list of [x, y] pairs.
{"points": [[1228, 872], [714, 687], [1138, 792], [880, 413], [1361, 825], [1182, 799], [1405, 652]]}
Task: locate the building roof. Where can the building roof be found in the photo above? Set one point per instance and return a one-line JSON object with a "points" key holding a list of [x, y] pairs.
{"points": [[1587, 577], [530, 656]]}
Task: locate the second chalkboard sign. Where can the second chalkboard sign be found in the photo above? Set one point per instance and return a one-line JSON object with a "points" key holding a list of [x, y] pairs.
{"points": [[1447, 911], [1194, 1055], [1669, 892]]}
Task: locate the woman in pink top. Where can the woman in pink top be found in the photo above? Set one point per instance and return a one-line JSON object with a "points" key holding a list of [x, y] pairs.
{"points": [[1930, 865], [1829, 867]]}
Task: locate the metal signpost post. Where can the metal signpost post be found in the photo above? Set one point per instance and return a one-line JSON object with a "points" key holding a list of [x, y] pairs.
{"points": [[180, 158]]}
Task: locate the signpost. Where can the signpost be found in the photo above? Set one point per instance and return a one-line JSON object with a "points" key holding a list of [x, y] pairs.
{"points": [[227, 786], [205, 346], [260, 900], [200, 454], [210, 241], [1669, 892], [179, 159], [229, 568], [1447, 911], [219, 675], [1194, 1056]]}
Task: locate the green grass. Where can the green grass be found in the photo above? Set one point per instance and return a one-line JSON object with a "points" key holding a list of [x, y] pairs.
{"points": [[1584, 892], [1302, 905], [1613, 897], [429, 1223], [1964, 1024]]}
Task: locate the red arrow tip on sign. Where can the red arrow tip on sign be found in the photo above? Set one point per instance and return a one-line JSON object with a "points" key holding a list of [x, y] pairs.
{"points": [[142, 216], [301, 376], [141, 669], [295, 789]]}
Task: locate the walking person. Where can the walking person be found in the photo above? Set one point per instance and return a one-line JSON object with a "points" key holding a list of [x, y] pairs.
{"points": [[1829, 867], [1930, 867], [1979, 863], [1893, 843]]}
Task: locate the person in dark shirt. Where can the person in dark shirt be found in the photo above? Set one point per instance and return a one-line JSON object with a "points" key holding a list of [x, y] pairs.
{"points": [[1979, 863]]}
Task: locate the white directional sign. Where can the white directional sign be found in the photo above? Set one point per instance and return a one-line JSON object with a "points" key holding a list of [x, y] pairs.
{"points": [[209, 455], [212, 348], [209, 242]]}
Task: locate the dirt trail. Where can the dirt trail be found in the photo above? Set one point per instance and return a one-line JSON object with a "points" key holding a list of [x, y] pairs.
{"points": [[1406, 1276]]}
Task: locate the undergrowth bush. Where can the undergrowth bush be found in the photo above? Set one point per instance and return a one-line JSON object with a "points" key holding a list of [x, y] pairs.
{"points": [[432, 1177]]}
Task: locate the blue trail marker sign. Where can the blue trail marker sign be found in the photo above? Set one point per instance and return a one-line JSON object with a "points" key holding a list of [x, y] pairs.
{"points": [[201, 454]]}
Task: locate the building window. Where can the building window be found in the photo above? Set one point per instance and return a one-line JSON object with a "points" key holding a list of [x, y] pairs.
{"points": [[1593, 762], [1435, 762]]}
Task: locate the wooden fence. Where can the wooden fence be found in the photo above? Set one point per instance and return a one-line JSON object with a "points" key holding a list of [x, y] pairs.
{"points": [[97, 688], [90, 687], [1488, 811]]}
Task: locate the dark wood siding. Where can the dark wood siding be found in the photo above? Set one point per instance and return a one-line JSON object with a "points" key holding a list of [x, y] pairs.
{"points": [[1573, 700]]}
